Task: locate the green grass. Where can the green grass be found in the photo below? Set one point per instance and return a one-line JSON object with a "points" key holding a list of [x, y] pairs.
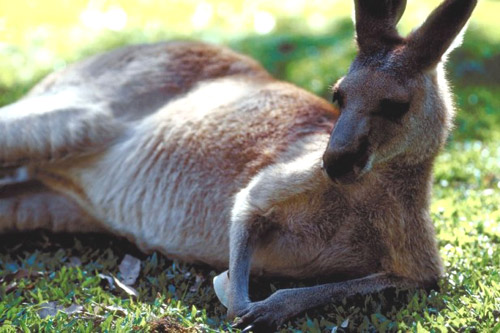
{"points": [[176, 296], [165, 288]]}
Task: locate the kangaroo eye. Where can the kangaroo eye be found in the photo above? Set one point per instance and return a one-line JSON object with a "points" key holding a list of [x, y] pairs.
{"points": [[338, 98], [392, 110]]}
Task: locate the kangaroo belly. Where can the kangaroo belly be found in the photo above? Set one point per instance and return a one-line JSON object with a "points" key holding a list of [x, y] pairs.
{"points": [[158, 200], [169, 182], [157, 194]]}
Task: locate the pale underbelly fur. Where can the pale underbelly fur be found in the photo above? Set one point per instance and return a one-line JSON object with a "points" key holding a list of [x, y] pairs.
{"points": [[161, 201]]}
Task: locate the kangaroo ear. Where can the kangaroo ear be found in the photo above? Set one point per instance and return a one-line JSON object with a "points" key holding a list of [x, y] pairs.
{"points": [[428, 44], [376, 23]]}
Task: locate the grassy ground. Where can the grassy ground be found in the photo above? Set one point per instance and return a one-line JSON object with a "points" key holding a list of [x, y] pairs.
{"points": [[38, 268]]}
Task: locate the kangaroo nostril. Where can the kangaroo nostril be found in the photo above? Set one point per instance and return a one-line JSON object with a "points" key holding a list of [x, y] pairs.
{"points": [[340, 164]]}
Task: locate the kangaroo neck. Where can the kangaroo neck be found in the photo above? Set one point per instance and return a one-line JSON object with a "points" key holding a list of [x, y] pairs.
{"points": [[410, 185], [406, 186]]}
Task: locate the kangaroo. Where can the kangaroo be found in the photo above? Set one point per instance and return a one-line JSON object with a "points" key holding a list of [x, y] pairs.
{"points": [[196, 151]]}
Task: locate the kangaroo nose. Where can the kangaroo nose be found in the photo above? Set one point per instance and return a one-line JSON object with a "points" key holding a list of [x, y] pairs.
{"points": [[338, 164], [345, 165]]}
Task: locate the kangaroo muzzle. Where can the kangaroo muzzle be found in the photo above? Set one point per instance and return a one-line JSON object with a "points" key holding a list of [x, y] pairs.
{"points": [[347, 153], [346, 166]]}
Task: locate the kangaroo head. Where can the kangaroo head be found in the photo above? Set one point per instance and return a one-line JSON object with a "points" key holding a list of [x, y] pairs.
{"points": [[394, 103]]}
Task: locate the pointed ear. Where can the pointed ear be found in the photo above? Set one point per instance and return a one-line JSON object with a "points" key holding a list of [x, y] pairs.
{"points": [[426, 46], [376, 23]]}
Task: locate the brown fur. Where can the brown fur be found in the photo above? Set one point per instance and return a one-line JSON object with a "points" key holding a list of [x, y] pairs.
{"points": [[198, 152]]}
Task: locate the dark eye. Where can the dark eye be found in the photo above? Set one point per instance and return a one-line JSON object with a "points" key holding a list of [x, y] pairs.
{"points": [[392, 110], [338, 98]]}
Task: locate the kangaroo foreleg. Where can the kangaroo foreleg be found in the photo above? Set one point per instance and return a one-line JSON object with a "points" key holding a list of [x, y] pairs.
{"points": [[286, 303], [244, 236], [251, 218]]}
